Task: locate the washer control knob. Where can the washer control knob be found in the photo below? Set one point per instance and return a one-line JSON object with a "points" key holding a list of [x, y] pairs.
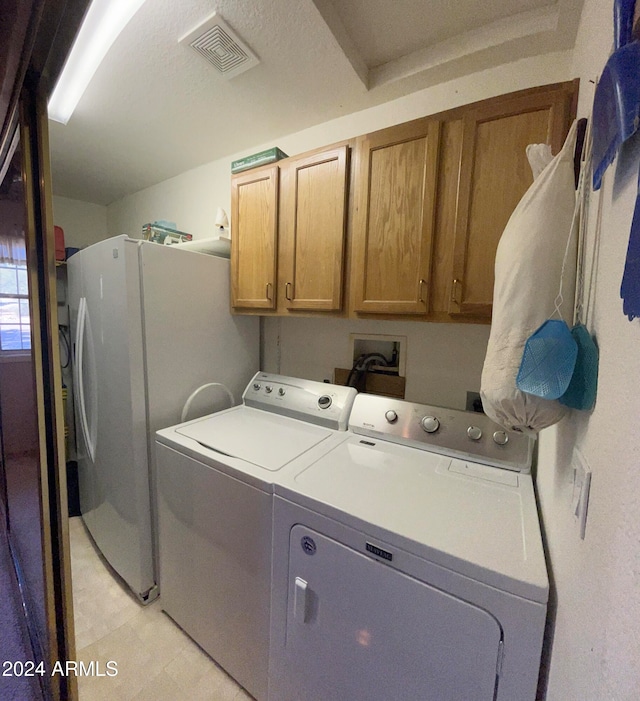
{"points": [[268, 389], [256, 386], [282, 391], [325, 401], [391, 416], [501, 438], [474, 433], [430, 424]]}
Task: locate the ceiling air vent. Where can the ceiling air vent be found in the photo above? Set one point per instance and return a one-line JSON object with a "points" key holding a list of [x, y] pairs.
{"points": [[214, 40]]}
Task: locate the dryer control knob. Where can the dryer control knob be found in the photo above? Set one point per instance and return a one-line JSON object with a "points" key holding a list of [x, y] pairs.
{"points": [[474, 433], [268, 389], [430, 424], [256, 386], [391, 416], [282, 391], [501, 438], [325, 401]]}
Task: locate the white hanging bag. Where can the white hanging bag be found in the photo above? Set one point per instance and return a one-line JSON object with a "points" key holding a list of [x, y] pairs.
{"points": [[528, 269]]}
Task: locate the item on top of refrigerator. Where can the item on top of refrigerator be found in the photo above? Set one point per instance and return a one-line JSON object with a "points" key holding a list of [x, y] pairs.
{"points": [[157, 233], [59, 237], [271, 155]]}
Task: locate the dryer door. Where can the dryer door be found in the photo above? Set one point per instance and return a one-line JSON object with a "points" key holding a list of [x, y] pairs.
{"points": [[358, 629]]}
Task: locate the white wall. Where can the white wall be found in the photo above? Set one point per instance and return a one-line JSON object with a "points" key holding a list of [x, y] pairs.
{"points": [[83, 223], [444, 361], [596, 641]]}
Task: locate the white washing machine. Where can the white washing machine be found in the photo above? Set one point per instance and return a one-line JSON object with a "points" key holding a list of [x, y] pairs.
{"points": [[409, 563], [216, 479]]}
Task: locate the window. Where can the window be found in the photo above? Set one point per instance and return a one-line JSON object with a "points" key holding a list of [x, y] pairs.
{"points": [[15, 329]]}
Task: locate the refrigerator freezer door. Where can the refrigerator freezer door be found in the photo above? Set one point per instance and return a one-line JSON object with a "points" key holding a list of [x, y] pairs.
{"points": [[113, 465], [381, 633]]}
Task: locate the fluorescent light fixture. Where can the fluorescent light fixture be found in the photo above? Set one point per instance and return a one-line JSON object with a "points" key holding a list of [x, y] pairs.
{"points": [[104, 21], [12, 149]]}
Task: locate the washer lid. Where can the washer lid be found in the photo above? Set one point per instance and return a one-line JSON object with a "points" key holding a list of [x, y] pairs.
{"points": [[477, 520], [261, 438]]}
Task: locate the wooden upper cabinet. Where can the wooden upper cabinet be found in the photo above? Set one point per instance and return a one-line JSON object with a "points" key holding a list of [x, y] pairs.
{"points": [[494, 175], [313, 229], [428, 204], [396, 172], [254, 207]]}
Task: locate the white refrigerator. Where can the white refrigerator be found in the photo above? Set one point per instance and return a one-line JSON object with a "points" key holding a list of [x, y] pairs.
{"points": [[151, 324]]}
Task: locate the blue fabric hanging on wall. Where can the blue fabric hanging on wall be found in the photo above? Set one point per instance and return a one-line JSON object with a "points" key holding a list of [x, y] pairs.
{"points": [[616, 117], [616, 107], [630, 288]]}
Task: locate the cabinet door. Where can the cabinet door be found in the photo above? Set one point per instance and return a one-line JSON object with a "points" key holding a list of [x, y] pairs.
{"points": [[254, 207], [314, 200], [394, 218], [494, 175]]}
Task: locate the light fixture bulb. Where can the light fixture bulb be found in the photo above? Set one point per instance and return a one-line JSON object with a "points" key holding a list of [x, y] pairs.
{"points": [[104, 21]]}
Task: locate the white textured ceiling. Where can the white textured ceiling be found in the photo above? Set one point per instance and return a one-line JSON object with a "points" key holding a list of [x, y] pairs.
{"points": [[155, 108], [391, 30]]}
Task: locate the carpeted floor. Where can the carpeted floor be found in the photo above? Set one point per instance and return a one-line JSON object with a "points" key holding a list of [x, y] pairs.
{"points": [[14, 638]]}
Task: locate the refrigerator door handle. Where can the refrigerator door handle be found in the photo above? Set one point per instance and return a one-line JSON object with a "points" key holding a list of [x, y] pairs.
{"points": [[82, 315], [76, 361]]}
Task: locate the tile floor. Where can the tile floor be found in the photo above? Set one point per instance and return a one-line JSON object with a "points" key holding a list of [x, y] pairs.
{"points": [[156, 661]]}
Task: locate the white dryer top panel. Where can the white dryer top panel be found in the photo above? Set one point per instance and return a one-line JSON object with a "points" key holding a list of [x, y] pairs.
{"points": [[478, 520], [258, 437]]}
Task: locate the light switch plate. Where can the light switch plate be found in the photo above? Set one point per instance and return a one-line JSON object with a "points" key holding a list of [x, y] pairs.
{"points": [[581, 487]]}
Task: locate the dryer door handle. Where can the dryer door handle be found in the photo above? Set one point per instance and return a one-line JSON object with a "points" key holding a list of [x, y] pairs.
{"points": [[300, 596]]}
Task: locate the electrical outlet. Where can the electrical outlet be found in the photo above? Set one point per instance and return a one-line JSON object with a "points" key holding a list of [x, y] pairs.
{"points": [[581, 487]]}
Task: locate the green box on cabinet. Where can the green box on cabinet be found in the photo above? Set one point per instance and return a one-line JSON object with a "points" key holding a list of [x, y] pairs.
{"points": [[271, 155]]}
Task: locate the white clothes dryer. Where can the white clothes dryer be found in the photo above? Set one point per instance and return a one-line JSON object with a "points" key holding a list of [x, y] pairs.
{"points": [[408, 563], [216, 479]]}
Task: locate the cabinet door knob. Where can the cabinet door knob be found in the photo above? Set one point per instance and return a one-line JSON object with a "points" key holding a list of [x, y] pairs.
{"points": [[287, 287], [269, 291]]}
